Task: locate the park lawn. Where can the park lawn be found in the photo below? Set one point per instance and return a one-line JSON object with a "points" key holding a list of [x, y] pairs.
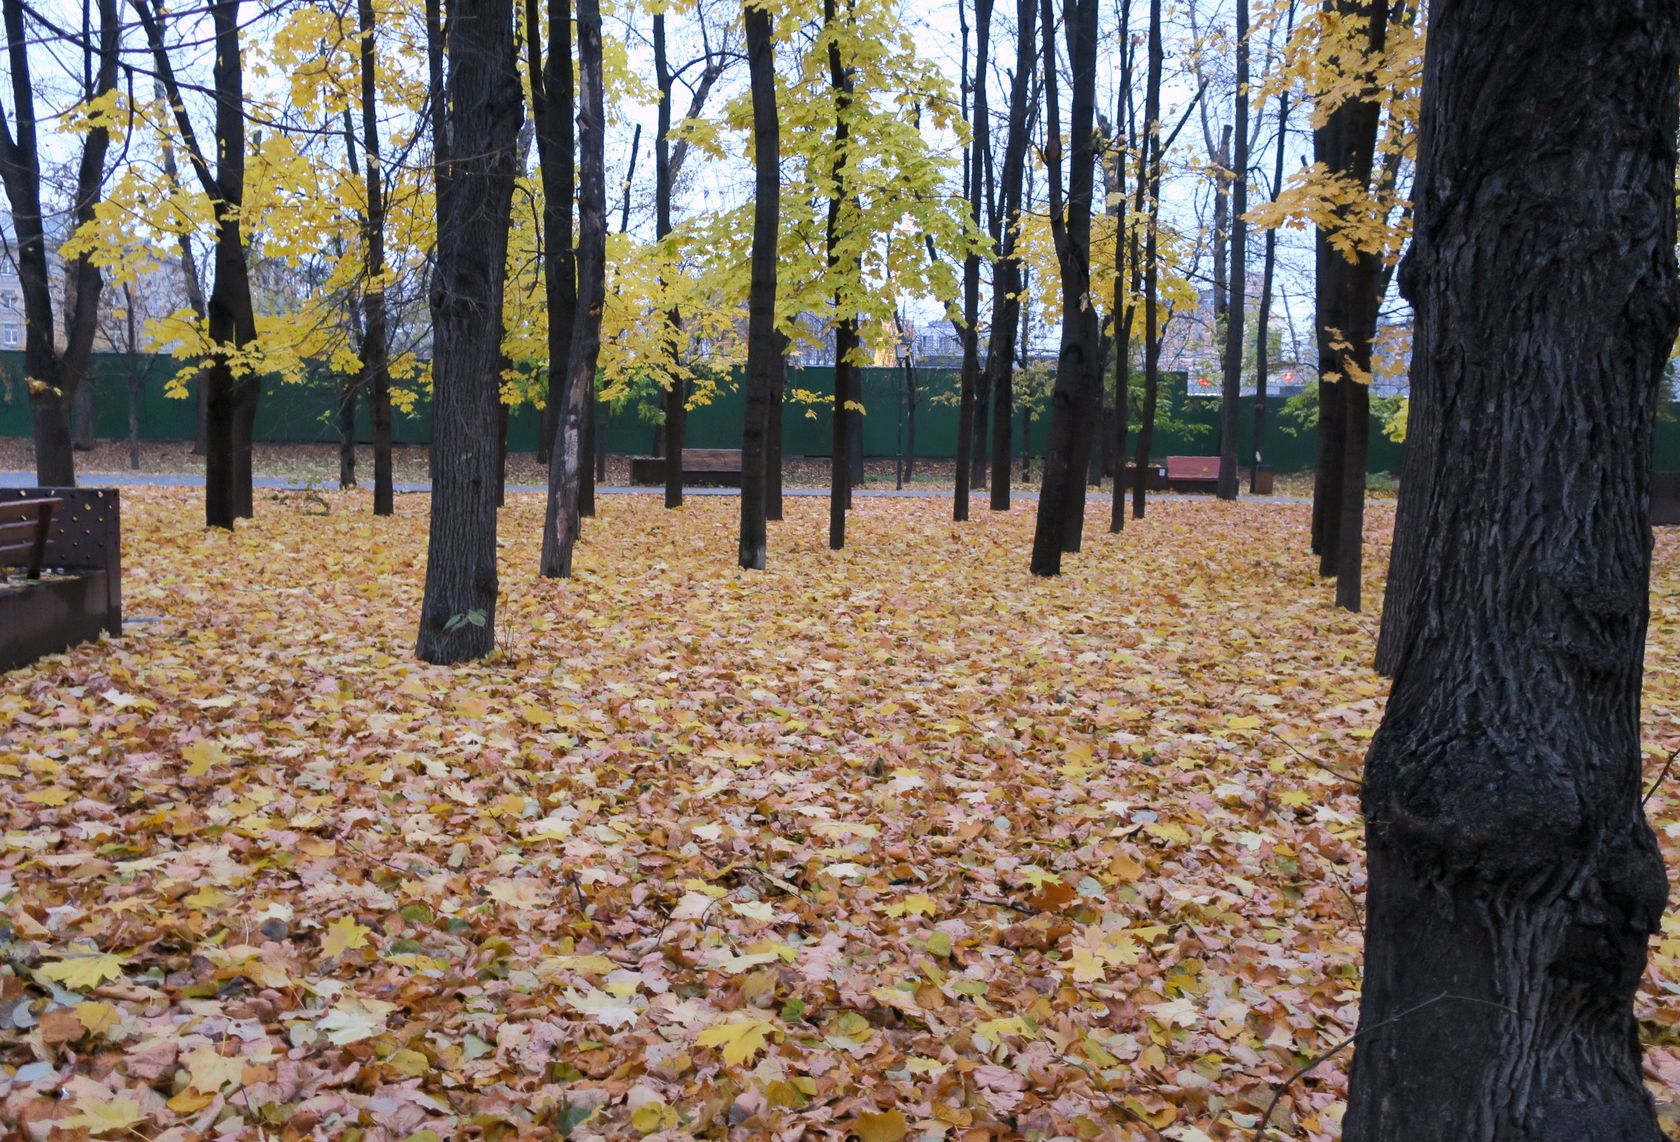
{"points": [[899, 839]]}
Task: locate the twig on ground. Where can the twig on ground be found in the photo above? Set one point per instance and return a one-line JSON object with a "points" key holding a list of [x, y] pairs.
{"points": [[1657, 784], [1325, 766]]}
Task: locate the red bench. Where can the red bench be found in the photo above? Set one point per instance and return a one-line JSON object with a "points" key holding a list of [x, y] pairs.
{"points": [[1193, 473]]}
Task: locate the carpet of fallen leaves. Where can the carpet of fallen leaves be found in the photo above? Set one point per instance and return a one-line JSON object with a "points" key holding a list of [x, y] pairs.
{"points": [[896, 842]]}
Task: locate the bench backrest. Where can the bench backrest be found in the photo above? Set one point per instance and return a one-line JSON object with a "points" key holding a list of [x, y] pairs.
{"points": [[24, 525], [85, 535], [712, 459], [1192, 467]]}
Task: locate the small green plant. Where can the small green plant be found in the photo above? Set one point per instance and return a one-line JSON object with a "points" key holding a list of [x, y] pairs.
{"points": [[474, 617]]}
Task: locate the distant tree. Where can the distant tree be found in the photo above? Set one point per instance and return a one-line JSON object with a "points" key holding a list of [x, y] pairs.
{"points": [[1513, 879]]}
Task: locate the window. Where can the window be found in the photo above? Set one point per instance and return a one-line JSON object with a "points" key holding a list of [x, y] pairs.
{"points": [[14, 335]]}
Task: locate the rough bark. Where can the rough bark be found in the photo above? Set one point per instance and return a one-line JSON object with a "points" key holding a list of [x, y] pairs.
{"points": [[53, 379], [1349, 293], [1006, 277], [1061, 494], [773, 437], [761, 297], [552, 112], [474, 197], [969, 333], [846, 338], [1231, 386], [1514, 881], [560, 524], [230, 321], [376, 361]]}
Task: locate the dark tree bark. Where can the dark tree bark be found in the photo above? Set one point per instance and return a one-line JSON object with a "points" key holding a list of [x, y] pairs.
{"points": [[1074, 399], [191, 285], [1514, 881], [1149, 178], [846, 337], [376, 360], [1349, 296], [968, 438], [552, 112], [1007, 282], [560, 526], [482, 111], [761, 297], [52, 379], [1231, 388], [1262, 341], [230, 317], [676, 396], [773, 437], [1123, 311]]}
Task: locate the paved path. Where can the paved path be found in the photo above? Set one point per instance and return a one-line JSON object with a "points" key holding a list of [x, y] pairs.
{"points": [[153, 480]]}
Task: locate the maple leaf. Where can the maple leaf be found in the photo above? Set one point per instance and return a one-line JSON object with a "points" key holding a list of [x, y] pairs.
{"points": [[740, 1039], [342, 935], [886, 1126], [201, 756], [100, 1115], [605, 1009], [354, 1018], [84, 973], [208, 1070]]}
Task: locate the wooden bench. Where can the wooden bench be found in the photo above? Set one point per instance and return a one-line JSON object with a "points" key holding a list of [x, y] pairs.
{"points": [[701, 467], [79, 539], [24, 525], [1193, 473]]}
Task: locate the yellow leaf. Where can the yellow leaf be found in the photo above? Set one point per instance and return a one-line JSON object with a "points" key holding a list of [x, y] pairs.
{"points": [[201, 755], [741, 1040], [408, 1062], [887, 1126], [52, 797], [97, 1017], [651, 1117], [84, 973], [1248, 723], [103, 1116], [342, 935], [208, 1070]]}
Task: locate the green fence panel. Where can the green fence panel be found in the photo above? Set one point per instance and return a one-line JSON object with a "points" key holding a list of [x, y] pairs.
{"points": [[303, 412]]}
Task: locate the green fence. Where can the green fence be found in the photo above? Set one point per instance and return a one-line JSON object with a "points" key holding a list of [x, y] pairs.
{"points": [[303, 413]]}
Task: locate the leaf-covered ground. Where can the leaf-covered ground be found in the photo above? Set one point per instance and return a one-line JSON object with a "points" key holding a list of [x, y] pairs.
{"points": [[895, 842]]}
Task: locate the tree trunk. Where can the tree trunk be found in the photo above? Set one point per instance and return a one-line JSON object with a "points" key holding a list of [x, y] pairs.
{"points": [[586, 462], [969, 433], [1349, 293], [761, 298], [773, 436], [560, 526], [845, 323], [1262, 340], [474, 198], [1124, 308], [552, 111], [376, 364], [501, 444], [1061, 497], [1230, 393], [1514, 881], [346, 417], [1149, 175]]}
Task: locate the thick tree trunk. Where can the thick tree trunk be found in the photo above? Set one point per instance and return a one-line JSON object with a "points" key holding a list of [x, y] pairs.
{"points": [[586, 462], [761, 297], [1514, 881], [1231, 388], [474, 197], [552, 110], [560, 526], [1074, 398]]}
